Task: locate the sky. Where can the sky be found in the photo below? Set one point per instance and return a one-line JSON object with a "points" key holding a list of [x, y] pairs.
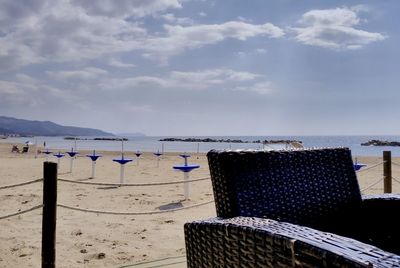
{"points": [[203, 67]]}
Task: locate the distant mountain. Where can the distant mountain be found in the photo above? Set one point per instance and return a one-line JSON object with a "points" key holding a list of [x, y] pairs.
{"points": [[9, 125]]}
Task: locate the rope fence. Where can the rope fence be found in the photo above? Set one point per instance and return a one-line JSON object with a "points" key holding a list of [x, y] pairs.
{"points": [[50, 203], [133, 184], [396, 180], [20, 212], [372, 185], [20, 184], [370, 167], [396, 164], [132, 213]]}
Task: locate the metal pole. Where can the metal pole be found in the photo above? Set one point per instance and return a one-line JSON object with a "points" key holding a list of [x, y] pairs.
{"points": [[36, 148], [121, 178], [186, 185], [70, 165], [387, 171], [49, 217], [93, 168]]}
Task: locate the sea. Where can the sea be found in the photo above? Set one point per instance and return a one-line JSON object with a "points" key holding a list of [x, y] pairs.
{"points": [[153, 143]]}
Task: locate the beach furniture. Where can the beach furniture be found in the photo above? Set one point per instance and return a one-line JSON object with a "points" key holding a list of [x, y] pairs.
{"points": [[186, 168], [72, 154], [94, 158], [358, 166], [158, 155], [122, 161], [293, 208], [59, 155]]}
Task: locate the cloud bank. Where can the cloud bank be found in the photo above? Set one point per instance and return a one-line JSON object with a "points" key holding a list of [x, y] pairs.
{"points": [[334, 29]]}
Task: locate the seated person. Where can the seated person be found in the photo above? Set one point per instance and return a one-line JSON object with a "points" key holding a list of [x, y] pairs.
{"points": [[15, 149]]}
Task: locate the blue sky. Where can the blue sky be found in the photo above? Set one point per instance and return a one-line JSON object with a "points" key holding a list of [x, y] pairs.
{"points": [[198, 67]]}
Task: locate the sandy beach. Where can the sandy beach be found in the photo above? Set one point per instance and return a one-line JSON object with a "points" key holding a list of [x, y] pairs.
{"points": [[101, 240]]}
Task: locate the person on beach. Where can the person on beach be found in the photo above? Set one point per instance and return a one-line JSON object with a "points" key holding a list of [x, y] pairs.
{"points": [[15, 149]]}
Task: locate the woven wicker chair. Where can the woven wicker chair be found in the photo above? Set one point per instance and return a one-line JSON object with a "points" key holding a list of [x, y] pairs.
{"points": [[300, 208]]}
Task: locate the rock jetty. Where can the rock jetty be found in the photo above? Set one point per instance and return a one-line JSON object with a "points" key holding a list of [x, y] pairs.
{"points": [[206, 140], [281, 141], [95, 139], [229, 140], [380, 143]]}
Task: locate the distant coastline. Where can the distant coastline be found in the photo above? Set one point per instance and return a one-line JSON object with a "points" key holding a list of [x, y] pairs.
{"points": [[229, 140], [95, 139], [380, 143], [14, 127]]}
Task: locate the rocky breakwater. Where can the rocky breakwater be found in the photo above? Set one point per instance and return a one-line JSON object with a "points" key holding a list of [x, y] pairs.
{"points": [[207, 140], [230, 140], [95, 139], [380, 143]]}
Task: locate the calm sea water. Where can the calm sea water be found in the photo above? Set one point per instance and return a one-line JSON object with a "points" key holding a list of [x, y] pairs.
{"points": [[152, 144]]}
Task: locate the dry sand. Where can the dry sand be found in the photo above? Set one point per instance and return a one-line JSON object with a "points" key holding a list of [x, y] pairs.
{"points": [[98, 240]]}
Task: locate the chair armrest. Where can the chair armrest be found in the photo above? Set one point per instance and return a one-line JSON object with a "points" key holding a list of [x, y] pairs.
{"points": [[255, 242], [382, 203], [380, 221]]}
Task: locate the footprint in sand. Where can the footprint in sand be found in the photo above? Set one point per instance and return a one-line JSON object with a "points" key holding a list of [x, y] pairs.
{"points": [[76, 232]]}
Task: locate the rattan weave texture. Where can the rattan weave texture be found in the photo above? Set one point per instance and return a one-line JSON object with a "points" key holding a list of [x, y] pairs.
{"points": [[300, 208]]}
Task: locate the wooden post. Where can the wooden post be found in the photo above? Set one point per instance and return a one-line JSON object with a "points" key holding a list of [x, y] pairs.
{"points": [[49, 214], [387, 171]]}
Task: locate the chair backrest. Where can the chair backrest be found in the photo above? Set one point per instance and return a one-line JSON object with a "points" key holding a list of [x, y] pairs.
{"points": [[312, 187]]}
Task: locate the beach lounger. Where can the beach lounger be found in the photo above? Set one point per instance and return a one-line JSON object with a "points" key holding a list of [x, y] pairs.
{"points": [[300, 208]]}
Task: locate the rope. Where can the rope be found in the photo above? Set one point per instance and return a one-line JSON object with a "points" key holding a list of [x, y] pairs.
{"points": [[364, 169], [396, 164], [375, 183], [131, 184], [20, 184], [132, 213], [395, 179], [20, 212]]}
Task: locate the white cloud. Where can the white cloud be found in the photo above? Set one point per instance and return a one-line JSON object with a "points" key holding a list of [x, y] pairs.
{"points": [[240, 18], [179, 39], [88, 73], [214, 76], [138, 82], [30, 92], [202, 14], [334, 29], [169, 17], [261, 51], [93, 79], [118, 63], [62, 32], [127, 8], [212, 79], [78, 30]]}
